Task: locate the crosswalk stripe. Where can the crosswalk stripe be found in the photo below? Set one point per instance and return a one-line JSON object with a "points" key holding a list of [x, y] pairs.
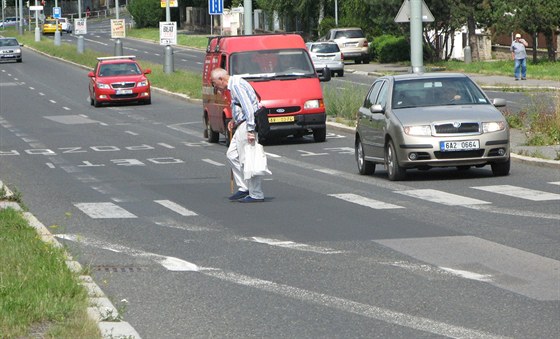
{"points": [[104, 210], [371, 203], [555, 183], [441, 197], [175, 207], [520, 192]]}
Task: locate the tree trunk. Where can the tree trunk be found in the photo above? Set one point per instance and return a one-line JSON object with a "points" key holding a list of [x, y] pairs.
{"points": [[535, 36], [549, 45], [471, 26]]}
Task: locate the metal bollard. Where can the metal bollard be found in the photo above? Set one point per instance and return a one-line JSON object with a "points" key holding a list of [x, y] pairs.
{"points": [[467, 54], [168, 66], [80, 45], [118, 47]]}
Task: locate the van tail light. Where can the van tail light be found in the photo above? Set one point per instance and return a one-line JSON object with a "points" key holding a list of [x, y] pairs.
{"points": [[342, 56], [365, 43]]}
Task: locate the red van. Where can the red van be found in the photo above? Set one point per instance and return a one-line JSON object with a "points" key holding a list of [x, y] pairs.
{"points": [[280, 69]]}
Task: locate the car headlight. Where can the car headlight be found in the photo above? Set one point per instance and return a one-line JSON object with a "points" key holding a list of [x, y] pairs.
{"points": [[103, 86], [143, 83], [418, 130], [313, 104], [493, 126]]}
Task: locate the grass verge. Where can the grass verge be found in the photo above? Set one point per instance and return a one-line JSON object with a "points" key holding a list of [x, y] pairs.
{"points": [[39, 295]]}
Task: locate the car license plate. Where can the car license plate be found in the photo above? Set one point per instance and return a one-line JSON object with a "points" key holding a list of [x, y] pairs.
{"points": [[124, 91], [465, 145], [281, 119]]}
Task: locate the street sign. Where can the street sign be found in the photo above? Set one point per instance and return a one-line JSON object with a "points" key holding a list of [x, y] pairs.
{"points": [[215, 7], [167, 33], [404, 13], [118, 28], [80, 26], [172, 3], [57, 12], [36, 8]]}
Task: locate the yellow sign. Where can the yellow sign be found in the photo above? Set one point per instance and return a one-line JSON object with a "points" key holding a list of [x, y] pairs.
{"points": [[172, 3]]}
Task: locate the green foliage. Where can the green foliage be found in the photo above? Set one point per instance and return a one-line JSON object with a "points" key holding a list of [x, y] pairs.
{"points": [[344, 102], [389, 48], [146, 13], [325, 25]]}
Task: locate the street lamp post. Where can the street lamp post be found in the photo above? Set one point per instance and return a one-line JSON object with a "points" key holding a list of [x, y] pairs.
{"points": [[56, 31], [118, 43], [80, 43]]}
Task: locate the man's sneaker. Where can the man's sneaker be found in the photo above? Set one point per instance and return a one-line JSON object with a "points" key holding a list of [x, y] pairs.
{"points": [[249, 199], [239, 195], [523, 78]]}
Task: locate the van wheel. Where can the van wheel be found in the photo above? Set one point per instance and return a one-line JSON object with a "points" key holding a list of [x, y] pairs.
{"points": [[320, 134], [394, 171], [501, 168], [211, 136], [364, 167]]}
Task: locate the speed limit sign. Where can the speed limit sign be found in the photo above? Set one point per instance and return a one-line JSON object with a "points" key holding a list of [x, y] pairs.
{"points": [[167, 33]]}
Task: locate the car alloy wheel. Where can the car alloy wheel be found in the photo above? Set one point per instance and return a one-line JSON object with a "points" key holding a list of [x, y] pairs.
{"points": [[364, 166], [395, 171]]}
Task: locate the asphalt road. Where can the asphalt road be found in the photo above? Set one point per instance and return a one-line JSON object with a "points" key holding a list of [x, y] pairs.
{"points": [[140, 198]]}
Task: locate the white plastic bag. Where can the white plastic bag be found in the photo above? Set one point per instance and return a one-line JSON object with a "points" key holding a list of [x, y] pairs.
{"points": [[255, 161]]}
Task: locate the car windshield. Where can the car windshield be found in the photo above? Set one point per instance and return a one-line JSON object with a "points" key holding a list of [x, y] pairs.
{"points": [[8, 42], [324, 48], [352, 34], [291, 63], [128, 68], [436, 92]]}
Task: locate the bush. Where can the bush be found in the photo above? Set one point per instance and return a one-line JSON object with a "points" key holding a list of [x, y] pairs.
{"points": [[326, 24], [146, 13], [389, 48]]}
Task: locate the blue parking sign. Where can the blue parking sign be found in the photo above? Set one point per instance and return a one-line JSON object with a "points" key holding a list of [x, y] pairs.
{"points": [[57, 12], [215, 7]]}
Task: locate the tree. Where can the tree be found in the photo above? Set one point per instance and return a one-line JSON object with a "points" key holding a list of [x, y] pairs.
{"points": [[146, 13]]}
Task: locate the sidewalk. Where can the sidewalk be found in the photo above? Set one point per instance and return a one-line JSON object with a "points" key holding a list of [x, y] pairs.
{"points": [[520, 151]]}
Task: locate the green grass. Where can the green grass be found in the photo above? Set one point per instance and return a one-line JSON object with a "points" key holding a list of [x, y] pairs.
{"points": [[544, 70], [38, 293]]}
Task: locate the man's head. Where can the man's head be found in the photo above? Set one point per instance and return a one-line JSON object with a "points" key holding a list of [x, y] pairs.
{"points": [[219, 78], [517, 36]]}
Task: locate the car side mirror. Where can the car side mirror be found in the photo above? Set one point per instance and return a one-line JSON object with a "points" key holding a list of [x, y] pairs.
{"points": [[376, 109], [90, 74], [499, 102], [325, 75], [147, 71]]}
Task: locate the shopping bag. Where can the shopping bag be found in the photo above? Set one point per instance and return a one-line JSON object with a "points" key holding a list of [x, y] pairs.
{"points": [[255, 161]]}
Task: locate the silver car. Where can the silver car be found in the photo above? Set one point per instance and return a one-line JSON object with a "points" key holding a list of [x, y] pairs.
{"points": [[430, 120], [326, 55], [10, 49]]}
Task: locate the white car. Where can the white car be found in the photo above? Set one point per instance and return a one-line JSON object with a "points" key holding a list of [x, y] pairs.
{"points": [[326, 55], [66, 25]]}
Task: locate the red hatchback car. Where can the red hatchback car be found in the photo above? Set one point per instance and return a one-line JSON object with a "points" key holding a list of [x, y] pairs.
{"points": [[119, 79]]}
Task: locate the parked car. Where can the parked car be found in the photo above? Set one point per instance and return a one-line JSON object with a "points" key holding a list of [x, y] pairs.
{"points": [[326, 55], [11, 21], [10, 49], [49, 26], [430, 120], [66, 25], [119, 79], [352, 43]]}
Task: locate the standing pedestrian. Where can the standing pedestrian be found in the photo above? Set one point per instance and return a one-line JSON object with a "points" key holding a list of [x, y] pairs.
{"points": [[244, 103], [519, 56]]}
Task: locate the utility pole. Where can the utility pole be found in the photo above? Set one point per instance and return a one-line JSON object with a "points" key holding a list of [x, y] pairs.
{"points": [[248, 17]]}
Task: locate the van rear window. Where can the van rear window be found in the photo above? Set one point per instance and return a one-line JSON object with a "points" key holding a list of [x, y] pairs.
{"points": [[272, 62]]}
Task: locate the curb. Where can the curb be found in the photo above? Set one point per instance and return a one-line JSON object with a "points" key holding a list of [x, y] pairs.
{"points": [[101, 308]]}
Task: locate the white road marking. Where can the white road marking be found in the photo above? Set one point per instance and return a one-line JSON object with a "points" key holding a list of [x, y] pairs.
{"points": [[555, 183], [166, 145], [294, 245], [50, 165], [170, 263], [520, 192], [103, 210], [441, 197], [131, 133], [363, 201], [212, 162], [175, 207], [470, 257], [345, 305], [329, 171], [52, 101], [272, 155]]}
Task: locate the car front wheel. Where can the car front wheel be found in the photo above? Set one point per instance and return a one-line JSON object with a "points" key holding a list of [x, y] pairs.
{"points": [[501, 168], [395, 171], [364, 167], [320, 134]]}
